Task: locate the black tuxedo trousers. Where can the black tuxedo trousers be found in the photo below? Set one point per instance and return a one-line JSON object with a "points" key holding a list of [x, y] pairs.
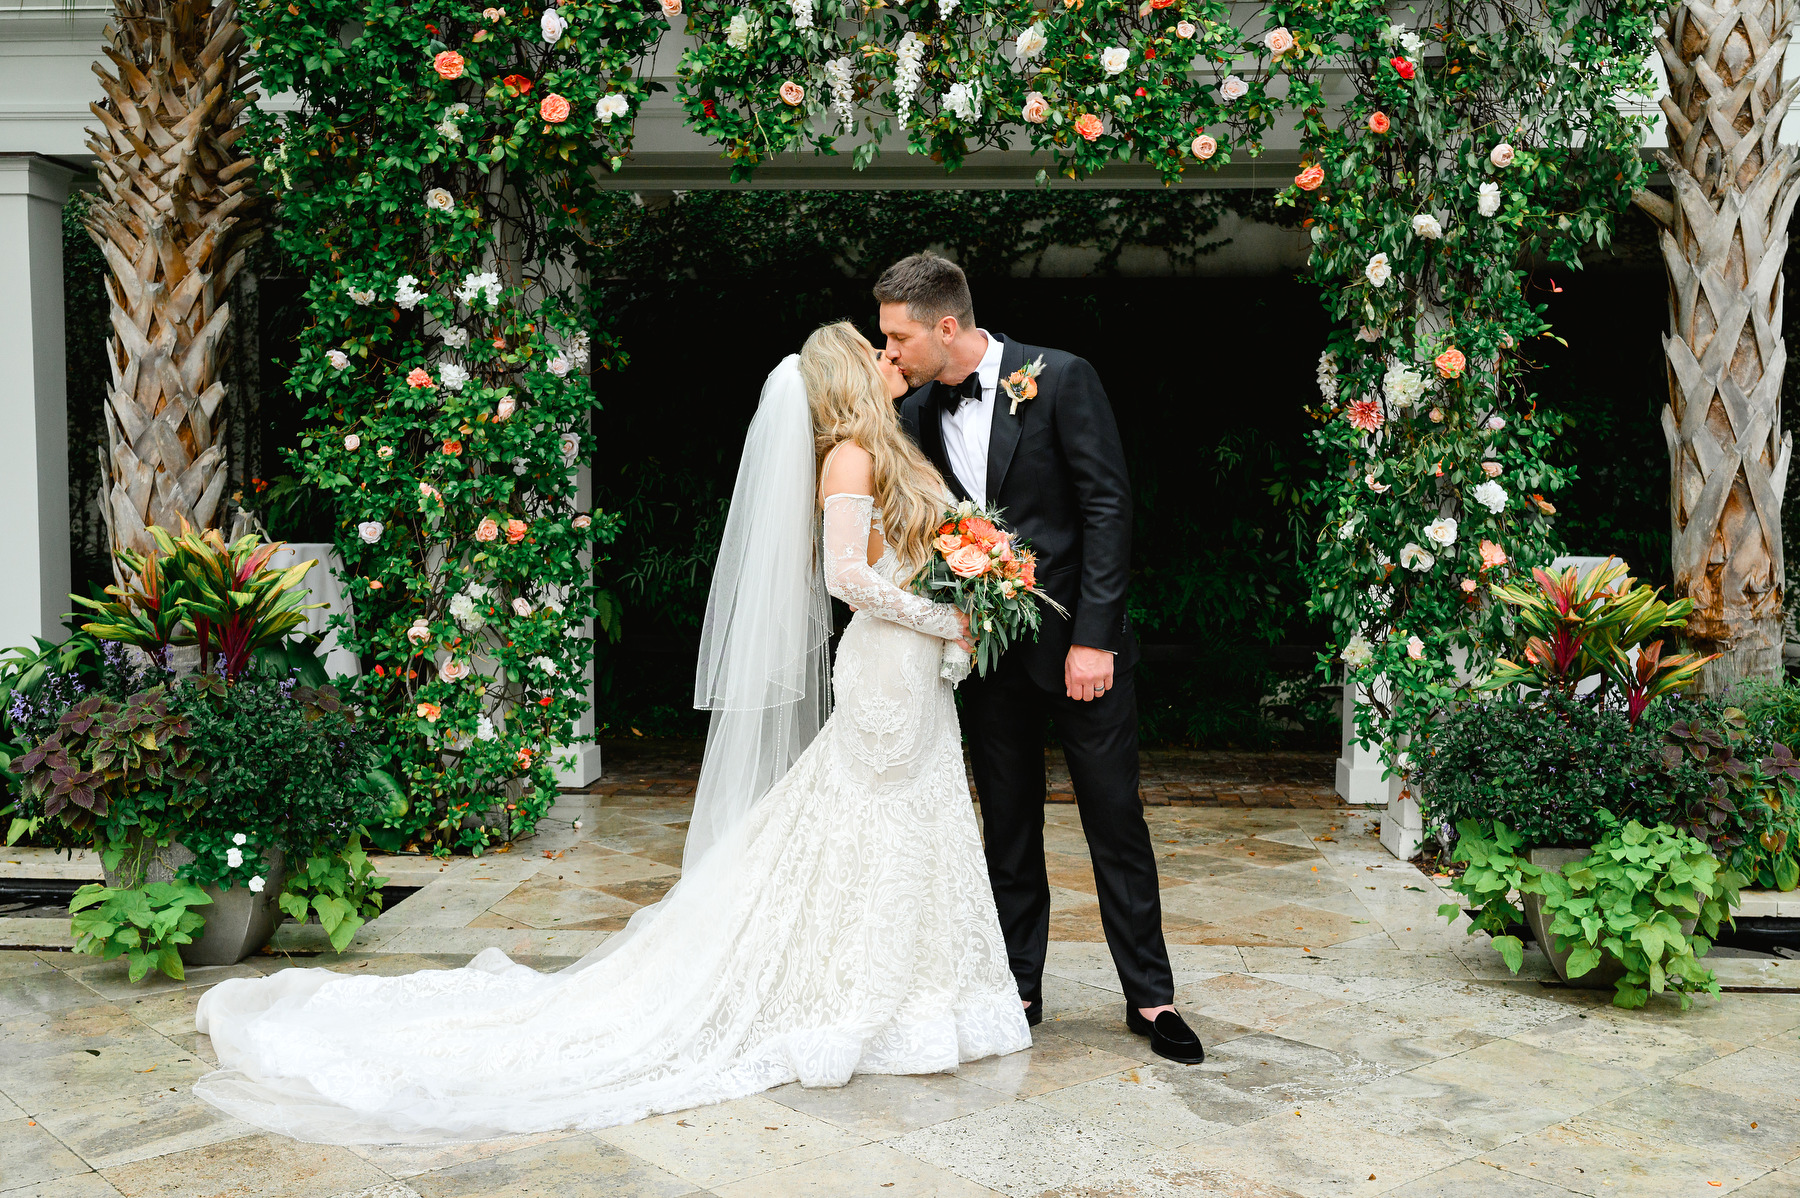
{"points": [[1005, 716]]}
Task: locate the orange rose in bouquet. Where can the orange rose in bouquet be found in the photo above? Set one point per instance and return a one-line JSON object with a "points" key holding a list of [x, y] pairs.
{"points": [[991, 575]]}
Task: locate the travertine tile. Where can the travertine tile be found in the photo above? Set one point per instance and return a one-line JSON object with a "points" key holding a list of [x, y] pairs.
{"points": [[1764, 1129], [1655, 1051], [1103, 1027], [1167, 1104], [1051, 1063], [41, 990], [80, 1078], [19, 963], [1410, 1106], [149, 1124], [1477, 1179], [1021, 1148], [258, 1166], [30, 1155], [549, 904], [445, 904], [1752, 1073], [579, 1166], [112, 979], [1167, 1174], [1591, 1157], [1251, 1002], [1534, 1077], [878, 1107], [868, 1171], [1315, 1155], [400, 1160], [712, 1145], [82, 1185]]}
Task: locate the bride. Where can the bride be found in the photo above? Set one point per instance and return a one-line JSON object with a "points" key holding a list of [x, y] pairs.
{"points": [[833, 915]]}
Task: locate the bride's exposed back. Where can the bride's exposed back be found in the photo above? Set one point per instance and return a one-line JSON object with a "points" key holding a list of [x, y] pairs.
{"points": [[833, 916]]}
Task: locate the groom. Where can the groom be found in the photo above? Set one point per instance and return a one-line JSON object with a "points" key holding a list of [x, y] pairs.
{"points": [[1054, 464]]}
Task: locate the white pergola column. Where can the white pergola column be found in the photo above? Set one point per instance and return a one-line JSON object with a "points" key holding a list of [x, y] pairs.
{"points": [[579, 765], [1359, 768], [34, 441]]}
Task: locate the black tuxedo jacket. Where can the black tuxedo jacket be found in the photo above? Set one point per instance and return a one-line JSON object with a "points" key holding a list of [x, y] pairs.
{"points": [[1056, 469]]}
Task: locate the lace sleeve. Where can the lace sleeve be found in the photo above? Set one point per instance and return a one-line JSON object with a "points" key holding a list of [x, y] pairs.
{"points": [[849, 576]]}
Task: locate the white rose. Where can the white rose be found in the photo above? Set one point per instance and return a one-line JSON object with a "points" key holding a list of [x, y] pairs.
{"points": [[1441, 531], [737, 33], [454, 337], [1378, 272], [1426, 225], [240, 838], [338, 358], [439, 200], [545, 664], [505, 408], [521, 606], [1415, 649], [559, 366], [1233, 88], [571, 447], [552, 25], [407, 293], [1184, 30], [448, 131], [454, 669], [582, 521], [1496, 423], [452, 376], [1031, 43], [353, 443], [1378, 488], [234, 857], [257, 884], [1487, 199], [611, 106], [1491, 469], [370, 531], [1490, 495], [484, 727], [420, 632], [1279, 41], [1412, 43], [1414, 557], [362, 297], [1501, 155], [1393, 33], [1357, 651], [1115, 59]]}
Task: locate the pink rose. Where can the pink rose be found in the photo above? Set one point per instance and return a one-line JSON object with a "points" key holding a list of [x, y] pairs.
{"points": [[505, 408], [1205, 146], [792, 93], [1468, 585], [671, 8], [1088, 125], [1037, 109], [418, 377], [521, 607], [583, 520], [515, 531], [1491, 469], [487, 530], [448, 65], [967, 561], [554, 109]]}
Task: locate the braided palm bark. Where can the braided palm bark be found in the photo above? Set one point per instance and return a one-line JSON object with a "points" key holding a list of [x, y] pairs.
{"points": [[176, 220]]}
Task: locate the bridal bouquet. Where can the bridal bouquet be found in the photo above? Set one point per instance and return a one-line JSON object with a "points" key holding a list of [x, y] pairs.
{"points": [[991, 574]]}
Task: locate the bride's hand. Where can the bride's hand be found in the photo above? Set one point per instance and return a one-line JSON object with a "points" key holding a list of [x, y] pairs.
{"points": [[967, 639]]}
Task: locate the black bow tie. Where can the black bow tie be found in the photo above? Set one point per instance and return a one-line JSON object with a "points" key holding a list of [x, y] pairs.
{"points": [[968, 389]]}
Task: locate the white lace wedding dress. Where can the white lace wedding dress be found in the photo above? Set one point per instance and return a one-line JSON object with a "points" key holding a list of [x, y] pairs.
{"points": [[844, 926]]}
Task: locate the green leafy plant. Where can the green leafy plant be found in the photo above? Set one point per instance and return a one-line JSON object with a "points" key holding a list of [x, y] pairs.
{"points": [[1740, 790], [145, 608], [114, 762], [1627, 900], [145, 924], [1576, 626], [340, 887], [228, 593]]}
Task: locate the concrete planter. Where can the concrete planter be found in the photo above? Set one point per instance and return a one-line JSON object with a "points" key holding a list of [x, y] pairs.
{"points": [[239, 921], [1600, 977]]}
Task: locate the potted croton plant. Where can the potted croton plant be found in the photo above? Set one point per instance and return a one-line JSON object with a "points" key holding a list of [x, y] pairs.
{"points": [[1561, 789], [220, 800]]}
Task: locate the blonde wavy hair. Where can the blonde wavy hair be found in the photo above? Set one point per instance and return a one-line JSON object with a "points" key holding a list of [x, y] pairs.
{"points": [[849, 400]]}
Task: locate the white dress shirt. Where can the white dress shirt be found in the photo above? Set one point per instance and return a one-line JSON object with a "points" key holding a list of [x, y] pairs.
{"points": [[966, 429]]}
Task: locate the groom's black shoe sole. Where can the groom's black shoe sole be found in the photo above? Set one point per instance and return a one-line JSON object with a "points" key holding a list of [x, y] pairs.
{"points": [[1170, 1036]]}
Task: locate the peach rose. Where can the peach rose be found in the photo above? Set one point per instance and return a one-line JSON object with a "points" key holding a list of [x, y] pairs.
{"points": [[1279, 41], [554, 108], [1491, 469], [1492, 555], [792, 93], [948, 544], [419, 377], [1205, 146], [453, 447], [1451, 363], [1037, 109], [428, 711], [515, 531], [1088, 125], [487, 530], [1310, 178], [448, 65], [1378, 122], [967, 561], [1468, 584]]}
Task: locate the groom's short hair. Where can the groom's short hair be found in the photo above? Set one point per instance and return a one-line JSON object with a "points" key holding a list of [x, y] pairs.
{"points": [[931, 288]]}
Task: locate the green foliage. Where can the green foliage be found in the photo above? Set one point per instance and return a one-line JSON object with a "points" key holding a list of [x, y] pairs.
{"points": [[146, 924], [1576, 626], [1458, 162], [112, 764], [338, 886], [1626, 901], [449, 406], [1548, 770]]}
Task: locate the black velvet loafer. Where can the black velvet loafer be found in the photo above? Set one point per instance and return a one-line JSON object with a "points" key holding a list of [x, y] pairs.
{"points": [[1034, 1014], [1170, 1036]]}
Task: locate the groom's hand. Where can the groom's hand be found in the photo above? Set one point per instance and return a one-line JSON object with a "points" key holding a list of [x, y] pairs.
{"points": [[1088, 673]]}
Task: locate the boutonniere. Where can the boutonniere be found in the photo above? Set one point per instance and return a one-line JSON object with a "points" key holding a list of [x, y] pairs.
{"points": [[1021, 384]]}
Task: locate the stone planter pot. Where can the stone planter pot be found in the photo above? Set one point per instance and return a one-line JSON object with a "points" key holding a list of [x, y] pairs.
{"points": [[239, 921], [1602, 976]]}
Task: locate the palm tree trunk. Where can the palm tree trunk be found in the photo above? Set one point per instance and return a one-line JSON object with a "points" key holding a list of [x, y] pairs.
{"points": [[1723, 241], [174, 226]]}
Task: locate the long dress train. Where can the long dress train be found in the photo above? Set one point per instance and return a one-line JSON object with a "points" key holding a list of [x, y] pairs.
{"points": [[844, 926]]}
